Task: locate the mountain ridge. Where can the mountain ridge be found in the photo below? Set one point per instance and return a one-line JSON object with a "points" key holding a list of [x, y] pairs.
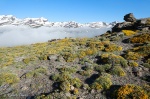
{"points": [[38, 22]]}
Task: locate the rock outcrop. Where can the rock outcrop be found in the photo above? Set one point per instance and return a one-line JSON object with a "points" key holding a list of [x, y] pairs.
{"points": [[131, 23], [129, 18]]}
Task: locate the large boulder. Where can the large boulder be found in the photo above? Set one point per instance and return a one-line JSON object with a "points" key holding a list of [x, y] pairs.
{"points": [[129, 18], [121, 26]]}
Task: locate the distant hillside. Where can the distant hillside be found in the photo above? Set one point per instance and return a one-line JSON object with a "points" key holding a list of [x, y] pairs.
{"points": [[114, 65]]}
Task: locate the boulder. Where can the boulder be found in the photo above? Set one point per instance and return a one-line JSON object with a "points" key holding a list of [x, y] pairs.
{"points": [[52, 57], [129, 18], [122, 26]]}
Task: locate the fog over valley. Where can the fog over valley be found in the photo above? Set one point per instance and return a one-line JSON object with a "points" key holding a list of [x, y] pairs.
{"points": [[11, 35]]}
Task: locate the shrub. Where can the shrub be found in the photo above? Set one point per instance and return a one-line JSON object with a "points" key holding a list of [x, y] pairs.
{"points": [[36, 72], [26, 61], [147, 65], [103, 81], [142, 38], [97, 86], [65, 76], [68, 69], [114, 59], [8, 78], [102, 68], [133, 64], [112, 47], [117, 70], [76, 91], [54, 77], [132, 56], [85, 73], [76, 82], [131, 92], [128, 32], [65, 86], [44, 57]]}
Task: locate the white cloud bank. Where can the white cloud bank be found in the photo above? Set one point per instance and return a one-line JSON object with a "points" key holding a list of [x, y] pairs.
{"points": [[22, 35]]}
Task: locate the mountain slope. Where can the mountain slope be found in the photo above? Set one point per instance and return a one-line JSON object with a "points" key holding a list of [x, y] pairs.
{"points": [[114, 65]]}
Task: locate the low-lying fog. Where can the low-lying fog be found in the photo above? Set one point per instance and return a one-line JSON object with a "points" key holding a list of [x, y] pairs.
{"points": [[22, 35]]}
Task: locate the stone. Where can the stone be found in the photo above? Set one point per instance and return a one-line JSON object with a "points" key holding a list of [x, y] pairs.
{"points": [[68, 94], [129, 18], [72, 87], [92, 91], [52, 57]]}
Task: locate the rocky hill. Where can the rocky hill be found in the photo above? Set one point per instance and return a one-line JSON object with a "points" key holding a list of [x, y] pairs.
{"points": [[114, 65]]}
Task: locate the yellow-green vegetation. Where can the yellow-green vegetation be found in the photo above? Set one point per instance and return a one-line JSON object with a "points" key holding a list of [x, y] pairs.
{"points": [[102, 82], [65, 86], [36, 72], [142, 50], [97, 86], [102, 68], [112, 47], [85, 72], [76, 91], [132, 56], [113, 59], [8, 78], [117, 70], [128, 32], [133, 63], [68, 69], [138, 52], [66, 81], [68, 48], [142, 38], [131, 92]]}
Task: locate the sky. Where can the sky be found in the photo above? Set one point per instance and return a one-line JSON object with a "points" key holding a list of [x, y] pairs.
{"points": [[82, 11]]}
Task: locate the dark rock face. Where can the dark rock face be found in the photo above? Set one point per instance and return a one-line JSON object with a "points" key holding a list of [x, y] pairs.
{"points": [[129, 17]]}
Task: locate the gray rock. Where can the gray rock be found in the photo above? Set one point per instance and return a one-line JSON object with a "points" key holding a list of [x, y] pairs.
{"points": [[129, 18], [52, 57]]}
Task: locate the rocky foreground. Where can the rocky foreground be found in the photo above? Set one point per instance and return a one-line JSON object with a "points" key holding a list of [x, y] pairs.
{"points": [[114, 65]]}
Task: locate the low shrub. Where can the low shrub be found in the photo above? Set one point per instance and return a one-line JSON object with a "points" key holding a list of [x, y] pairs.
{"points": [[36, 72], [68, 69], [131, 92], [142, 38], [85, 73], [133, 64], [117, 70], [8, 78], [132, 56], [102, 82], [128, 32]]}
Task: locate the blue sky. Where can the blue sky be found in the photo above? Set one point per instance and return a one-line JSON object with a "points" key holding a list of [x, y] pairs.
{"points": [[76, 10]]}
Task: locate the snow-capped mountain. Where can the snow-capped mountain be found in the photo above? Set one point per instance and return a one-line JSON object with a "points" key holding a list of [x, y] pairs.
{"points": [[38, 22]]}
